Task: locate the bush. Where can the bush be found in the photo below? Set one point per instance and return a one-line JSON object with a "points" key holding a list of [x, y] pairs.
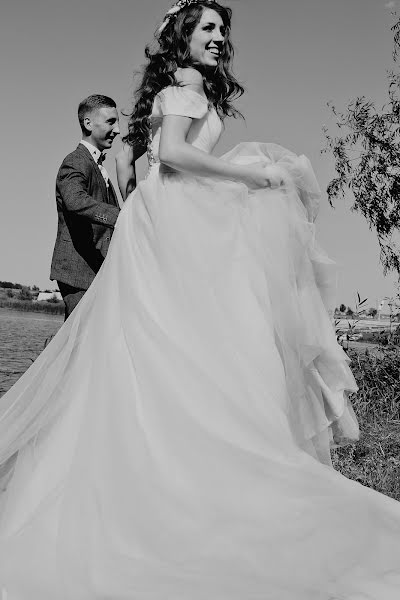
{"points": [[25, 294], [53, 300], [378, 377]]}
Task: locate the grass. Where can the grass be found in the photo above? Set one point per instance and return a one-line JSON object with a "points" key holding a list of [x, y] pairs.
{"points": [[375, 460]]}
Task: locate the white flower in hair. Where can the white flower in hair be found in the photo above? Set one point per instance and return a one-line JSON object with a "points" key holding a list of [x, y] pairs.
{"points": [[174, 10]]}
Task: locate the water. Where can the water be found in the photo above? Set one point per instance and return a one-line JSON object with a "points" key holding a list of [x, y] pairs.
{"points": [[22, 337]]}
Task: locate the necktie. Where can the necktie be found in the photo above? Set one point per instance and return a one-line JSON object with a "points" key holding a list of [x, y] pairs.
{"points": [[103, 170]]}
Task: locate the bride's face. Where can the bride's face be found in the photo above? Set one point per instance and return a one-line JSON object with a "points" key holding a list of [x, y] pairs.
{"points": [[208, 39]]}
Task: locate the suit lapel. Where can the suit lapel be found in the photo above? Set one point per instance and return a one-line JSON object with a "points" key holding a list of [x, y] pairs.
{"points": [[107, 193], [85, 152]]}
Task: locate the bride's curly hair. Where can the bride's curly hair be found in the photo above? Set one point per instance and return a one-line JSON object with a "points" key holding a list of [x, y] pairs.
{"points": [[171, 52]]}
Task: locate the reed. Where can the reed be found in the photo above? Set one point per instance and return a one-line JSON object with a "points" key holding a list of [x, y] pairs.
{"points": [[29, 306], [375, 460]]}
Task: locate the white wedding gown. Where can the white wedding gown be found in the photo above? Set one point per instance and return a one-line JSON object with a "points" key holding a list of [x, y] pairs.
{"points": [[169, 442]]}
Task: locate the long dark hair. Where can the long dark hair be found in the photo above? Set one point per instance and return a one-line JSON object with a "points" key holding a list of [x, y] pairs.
{"points": [[172, 51]]}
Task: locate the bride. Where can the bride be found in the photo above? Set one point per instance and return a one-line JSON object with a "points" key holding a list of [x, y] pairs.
{"points": [[169, 443]]}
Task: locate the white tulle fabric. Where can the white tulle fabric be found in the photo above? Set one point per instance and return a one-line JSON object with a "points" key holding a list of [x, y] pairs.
{"points": [[163, 445]]}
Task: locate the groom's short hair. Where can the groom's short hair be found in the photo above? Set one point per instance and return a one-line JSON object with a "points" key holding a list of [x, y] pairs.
{"points": [[92, 103]]}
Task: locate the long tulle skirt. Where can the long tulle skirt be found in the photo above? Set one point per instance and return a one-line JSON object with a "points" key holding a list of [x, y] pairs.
{"points": [[169, 442]]}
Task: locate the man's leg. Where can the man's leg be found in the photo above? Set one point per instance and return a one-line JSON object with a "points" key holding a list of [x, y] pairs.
{"points": [[71, 296]]}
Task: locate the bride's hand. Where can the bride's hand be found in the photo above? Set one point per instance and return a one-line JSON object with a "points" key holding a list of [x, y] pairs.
{"points": [[264, 176]]}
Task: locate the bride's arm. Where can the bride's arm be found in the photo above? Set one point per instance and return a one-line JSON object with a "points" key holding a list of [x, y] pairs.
{"points": [[181, 156], [126, 172], [177, 153]]}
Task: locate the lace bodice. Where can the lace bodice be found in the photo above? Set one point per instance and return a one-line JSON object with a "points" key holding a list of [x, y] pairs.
{"points": [[173, 100]]}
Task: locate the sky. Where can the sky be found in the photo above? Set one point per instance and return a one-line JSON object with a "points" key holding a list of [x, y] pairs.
{"points": [[293, 56]]}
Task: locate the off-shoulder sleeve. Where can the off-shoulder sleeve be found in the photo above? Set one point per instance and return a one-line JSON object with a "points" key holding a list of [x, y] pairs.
{"points": [[174, 100]]}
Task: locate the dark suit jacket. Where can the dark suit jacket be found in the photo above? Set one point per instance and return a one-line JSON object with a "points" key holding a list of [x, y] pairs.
{"points": [[87, 213]]}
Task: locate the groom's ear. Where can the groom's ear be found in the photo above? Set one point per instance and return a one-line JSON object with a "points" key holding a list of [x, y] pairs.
{"points": [[87, 123]]}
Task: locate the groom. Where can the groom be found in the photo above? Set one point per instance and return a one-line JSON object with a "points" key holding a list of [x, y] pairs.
{"points": [[87, 204]]}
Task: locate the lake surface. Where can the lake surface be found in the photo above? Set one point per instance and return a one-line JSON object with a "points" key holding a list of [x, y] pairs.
{"points": [[23, 336]]}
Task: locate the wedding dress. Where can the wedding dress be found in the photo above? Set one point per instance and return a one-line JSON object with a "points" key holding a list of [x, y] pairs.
{"points": [[168, 444]]}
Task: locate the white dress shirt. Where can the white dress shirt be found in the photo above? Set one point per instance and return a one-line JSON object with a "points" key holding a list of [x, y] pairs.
{"points": [[95, 152]]}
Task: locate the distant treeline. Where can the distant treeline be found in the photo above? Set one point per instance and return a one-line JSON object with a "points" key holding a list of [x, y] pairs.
{"points": [[10, 285], [18, 286]]}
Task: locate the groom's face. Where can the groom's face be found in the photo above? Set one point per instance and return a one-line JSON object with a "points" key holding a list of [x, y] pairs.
{"points": [[103, 125]]}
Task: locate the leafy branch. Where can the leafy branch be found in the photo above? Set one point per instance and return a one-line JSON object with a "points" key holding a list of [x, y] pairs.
{"points": [[366, 155]]}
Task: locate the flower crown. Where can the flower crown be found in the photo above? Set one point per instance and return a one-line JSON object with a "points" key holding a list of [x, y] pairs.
{"points": [[173, 11]]}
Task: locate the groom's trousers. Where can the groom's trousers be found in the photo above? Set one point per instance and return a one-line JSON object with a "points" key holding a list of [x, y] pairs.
{"points": [[71, 296]]}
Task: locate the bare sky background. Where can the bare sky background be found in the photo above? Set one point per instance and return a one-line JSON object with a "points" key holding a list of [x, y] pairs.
{"points": [[292, 56]]}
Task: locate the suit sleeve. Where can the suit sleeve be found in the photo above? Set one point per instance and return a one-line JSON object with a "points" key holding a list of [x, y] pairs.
{"points": [[72, 183]]}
